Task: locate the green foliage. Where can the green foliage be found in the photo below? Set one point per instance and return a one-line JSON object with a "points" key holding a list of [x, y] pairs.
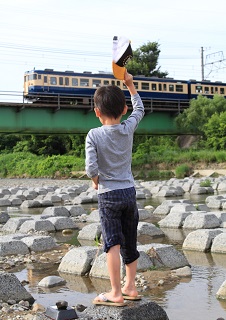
{"points": [[215, 131], [145, 61], [205, 183], [199, 112], [182, 171]]}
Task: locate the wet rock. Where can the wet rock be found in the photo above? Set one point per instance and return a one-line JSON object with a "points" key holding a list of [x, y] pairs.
{"points": [[55, 211], [51, 281], [78, 260], [75, 210], [163, 255], [221, 293], [31, 204], [174, 220], [200, 240], [219, 243], [201, 220], [182, 272]]}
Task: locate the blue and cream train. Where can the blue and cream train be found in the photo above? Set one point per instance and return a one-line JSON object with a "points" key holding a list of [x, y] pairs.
{"points": [[78, 88]]}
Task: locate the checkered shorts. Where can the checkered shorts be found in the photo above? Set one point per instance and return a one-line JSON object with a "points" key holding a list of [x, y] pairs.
{"points": [[119, 219]]}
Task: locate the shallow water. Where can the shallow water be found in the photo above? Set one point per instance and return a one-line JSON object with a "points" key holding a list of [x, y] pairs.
{"points": [[193, 298]]}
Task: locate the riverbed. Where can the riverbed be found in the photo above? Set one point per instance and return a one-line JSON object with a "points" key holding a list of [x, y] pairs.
{"points": [[192, 298]]}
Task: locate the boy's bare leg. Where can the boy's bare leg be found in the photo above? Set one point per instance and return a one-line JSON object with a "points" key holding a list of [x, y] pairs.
{"points": [[114, 263], [129, 287]]}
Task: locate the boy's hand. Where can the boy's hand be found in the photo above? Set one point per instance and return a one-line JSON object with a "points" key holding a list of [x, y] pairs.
{"points": [[128, 81]]}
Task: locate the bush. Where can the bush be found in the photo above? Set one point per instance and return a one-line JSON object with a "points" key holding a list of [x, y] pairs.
{"points": [[182, 171]]}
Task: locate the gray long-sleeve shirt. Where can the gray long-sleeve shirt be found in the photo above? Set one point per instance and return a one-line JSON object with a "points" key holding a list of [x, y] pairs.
{"points": [[109, 151]]}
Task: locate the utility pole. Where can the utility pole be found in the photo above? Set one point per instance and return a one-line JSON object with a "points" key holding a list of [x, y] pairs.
{"points": [[202, 64]]}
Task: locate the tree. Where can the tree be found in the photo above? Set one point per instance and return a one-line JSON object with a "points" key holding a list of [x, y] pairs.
{"points": [[199, 112], [215, 131], [145, 60]]}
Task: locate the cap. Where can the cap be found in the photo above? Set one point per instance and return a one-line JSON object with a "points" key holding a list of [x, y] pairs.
{"points": [[122, 53]]}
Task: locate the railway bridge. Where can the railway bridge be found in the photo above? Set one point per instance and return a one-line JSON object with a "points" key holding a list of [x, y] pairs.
{"points": [[59, 118]]}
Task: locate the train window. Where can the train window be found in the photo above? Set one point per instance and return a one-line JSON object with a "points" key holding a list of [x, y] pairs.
{"points": [[198, 89], [144, 86], [212, 90], [160, 87], [136, 85], [39, 76], [153, 86], [61, 81], [45, 79], [32, 76], [84, 82], [113, 82], [96, 83], [221, 90], [206, 90], [53, 80], [171, 87], [74, 82], [66, 81], [216, 89], [179, 88], [118, 83], [164, 87], [106, 82]]}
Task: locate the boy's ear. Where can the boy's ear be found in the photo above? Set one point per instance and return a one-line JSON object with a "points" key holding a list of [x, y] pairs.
{"points": [[125, 110], [97, 112]]}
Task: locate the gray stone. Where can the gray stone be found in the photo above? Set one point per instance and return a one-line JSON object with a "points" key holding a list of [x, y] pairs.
{"points": [[145, 228], [174, 220], [4, 217], [51, 281], [12, 289], [56, 211], [13, 224], [37, 225], [201, 220], [221, 293], [39, 243], [141, 310], [13, 247], [144, 214], [5, 202], [78, 260], [61, 223], [219, 243], [90, 232], [31, 204], [76, 210], [93, 216], [163, 255], [200, 240]]}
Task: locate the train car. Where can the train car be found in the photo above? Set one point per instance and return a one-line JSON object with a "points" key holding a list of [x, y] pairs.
{"points": [[48, 85], [206, 88]]}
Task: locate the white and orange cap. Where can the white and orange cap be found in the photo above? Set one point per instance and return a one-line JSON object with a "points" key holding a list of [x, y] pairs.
{"points": [[122, 53]]}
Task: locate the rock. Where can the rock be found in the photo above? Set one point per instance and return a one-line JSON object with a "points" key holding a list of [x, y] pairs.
{"points": [[182, 272], [200, 240], [11, 288], [221, 293], [37, 225], [145, 228], [39, 243], [4, 217], [201, 220], [141, 310], [219, 243], [174, 220], [61, 223], [78, 260], [13, 224], [55, 211], [13, 247], [90, 232], [51, 281]]}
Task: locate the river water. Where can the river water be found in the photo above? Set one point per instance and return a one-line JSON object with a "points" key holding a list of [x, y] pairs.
{"points": [[192, 298]]}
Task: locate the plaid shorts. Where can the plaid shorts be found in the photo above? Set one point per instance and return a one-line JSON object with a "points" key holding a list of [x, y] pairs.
{"points": [[119, 219]]}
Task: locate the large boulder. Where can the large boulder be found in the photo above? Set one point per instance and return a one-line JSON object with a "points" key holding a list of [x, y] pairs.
{"points": [[12, 289], [200, 240]]}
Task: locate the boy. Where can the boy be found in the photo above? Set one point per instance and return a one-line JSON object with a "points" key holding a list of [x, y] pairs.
{"points": [[108, 164]]}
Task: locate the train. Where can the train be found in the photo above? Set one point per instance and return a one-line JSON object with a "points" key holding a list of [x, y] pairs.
{"points": [[77, 89]]}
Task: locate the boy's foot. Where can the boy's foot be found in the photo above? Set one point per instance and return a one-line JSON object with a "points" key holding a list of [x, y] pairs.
{"points": [[104, 301]]}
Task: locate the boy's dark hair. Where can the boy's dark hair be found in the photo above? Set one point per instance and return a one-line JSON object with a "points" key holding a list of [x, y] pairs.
{"points": [[110, 100]]}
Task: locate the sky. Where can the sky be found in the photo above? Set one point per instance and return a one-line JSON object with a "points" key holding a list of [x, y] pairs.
{"points": [[77, 35]]}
